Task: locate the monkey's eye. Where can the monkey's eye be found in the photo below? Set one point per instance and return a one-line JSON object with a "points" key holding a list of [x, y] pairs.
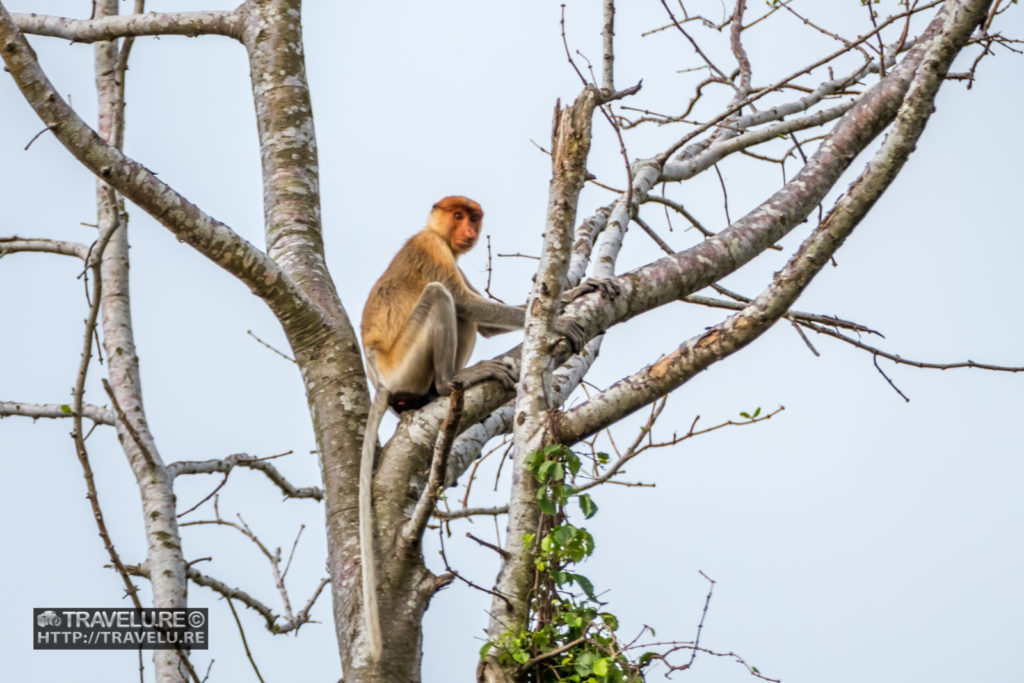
{"points": [[459, 215]]}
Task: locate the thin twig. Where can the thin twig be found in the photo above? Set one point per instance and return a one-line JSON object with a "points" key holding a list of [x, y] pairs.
{"points": [[37, 135], [77, 435], [906, 361], [460, 577], [568, 54], [703, 615], [252, 462], [501, 551], [412, 530], [470, 512], [245, 643], [123, 420], [874, 359], [283, 355]]}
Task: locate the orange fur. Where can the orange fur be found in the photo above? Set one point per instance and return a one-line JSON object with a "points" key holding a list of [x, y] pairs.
{"points": [[428, 256], [419, 327]]}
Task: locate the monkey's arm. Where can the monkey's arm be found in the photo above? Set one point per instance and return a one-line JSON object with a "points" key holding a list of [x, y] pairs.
{"points": [[493, 329], [494, 318], [488, 331], [491, 316]]}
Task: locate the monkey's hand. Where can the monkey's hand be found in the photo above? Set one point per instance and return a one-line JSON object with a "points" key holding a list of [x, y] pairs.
{"points": [[573, 331], [483, 371], [608, 288]]}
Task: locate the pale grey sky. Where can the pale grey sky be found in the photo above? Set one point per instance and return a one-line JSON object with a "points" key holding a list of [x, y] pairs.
{"points": [[853, 536]]}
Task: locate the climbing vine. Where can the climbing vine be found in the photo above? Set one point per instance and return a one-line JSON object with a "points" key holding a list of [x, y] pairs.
{"points": [[568, 636]]}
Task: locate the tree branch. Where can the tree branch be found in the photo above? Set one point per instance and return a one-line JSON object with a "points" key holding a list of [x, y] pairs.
{"points": [[947, 34], [270, 617], [471, 512], [677, 276], [607, 38], [97, 414], [288, 152], [795, 316], [896, 358], [15, 244], [225, 465], [210, 237], [534, 400], [412, 530], [191, 24]]}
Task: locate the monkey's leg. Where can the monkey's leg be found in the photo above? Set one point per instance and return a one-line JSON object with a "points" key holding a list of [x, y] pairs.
{"points": [[425, 351]]}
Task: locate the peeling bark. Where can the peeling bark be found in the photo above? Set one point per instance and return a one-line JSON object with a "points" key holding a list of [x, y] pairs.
{"points": [[570, 148]]}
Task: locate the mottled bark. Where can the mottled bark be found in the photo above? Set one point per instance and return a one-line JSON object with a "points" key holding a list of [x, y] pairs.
{"points": [[292, 278], [686, 272], [111, 27], [570, 148], [135, 182], [164, 557]]}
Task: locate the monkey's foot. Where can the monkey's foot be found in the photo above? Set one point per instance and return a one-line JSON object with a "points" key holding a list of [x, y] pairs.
{"points": [[573, 331], [488, 369], [608, 288]]}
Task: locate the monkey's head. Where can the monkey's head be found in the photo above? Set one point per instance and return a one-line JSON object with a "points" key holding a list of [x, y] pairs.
{"points": [[458, 220]]}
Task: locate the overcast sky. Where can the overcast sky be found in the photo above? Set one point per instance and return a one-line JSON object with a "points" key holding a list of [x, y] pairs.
{"points": [[854, 536]]}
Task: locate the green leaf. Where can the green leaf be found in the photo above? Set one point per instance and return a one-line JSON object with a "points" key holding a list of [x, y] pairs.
{"points": [[610, 620], [66, 409], [601, 667], [485, 649], [745, 415], [585, 585], [546, 506], [585, 663], [757, 412], [534, 461], [573, 461], [587, 506], [544, 471], [521, 656], [564, 534], [558, 493], [588, 540]]}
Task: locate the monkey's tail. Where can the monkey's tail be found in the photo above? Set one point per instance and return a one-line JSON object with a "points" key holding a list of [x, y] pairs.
{"points": [[371, 612]]}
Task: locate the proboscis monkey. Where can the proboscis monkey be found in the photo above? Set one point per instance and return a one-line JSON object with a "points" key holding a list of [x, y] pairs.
{"points": [[419, 327]]}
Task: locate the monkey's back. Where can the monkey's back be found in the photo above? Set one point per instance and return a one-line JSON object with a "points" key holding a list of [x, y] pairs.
{"points": [[423, 259]]}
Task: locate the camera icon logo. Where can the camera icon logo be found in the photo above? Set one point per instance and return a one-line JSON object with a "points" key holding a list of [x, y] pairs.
{"points": [[47, 618]]}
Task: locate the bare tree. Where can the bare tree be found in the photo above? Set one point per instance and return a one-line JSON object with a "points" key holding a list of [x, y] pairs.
{"points": [[545, 620]]}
